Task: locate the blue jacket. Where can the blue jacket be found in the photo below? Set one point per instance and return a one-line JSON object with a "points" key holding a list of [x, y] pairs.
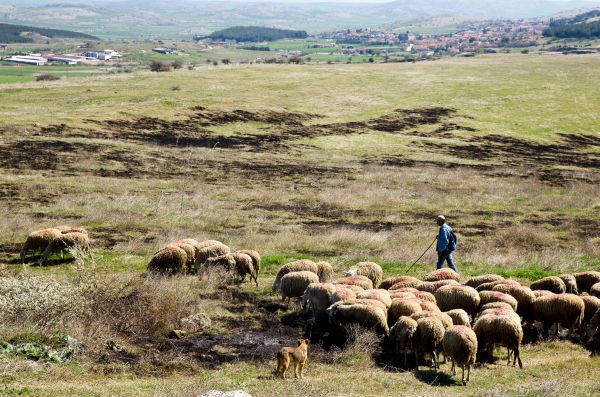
{"points": [[443, 238]]}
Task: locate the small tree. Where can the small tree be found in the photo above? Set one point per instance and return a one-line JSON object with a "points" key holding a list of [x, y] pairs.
{"points": [[215, 63], [371, 60], [176, 65], [525, 51], [159, 66], [226, 61], [296, 60], [308, 59]]}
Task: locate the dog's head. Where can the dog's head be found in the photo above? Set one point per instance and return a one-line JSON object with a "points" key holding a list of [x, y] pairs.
{"points": [[303, 342]]}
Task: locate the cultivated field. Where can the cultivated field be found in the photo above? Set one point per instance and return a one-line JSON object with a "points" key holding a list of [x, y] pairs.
{"points": [[331, 162]]}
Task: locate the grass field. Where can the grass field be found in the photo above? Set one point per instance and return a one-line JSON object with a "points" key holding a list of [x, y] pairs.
{"points": [[329, 162]]}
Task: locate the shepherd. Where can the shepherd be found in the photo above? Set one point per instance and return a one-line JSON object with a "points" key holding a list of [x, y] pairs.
{"points": [[446, 243]]}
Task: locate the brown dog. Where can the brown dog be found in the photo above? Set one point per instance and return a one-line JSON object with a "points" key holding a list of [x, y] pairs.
{"points": [[292, 355]]}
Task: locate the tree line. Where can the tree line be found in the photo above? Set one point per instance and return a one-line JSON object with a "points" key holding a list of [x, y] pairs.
{"points": [[256, 34], [255, 48], [12, 34], [581, 30], [575, 20]]}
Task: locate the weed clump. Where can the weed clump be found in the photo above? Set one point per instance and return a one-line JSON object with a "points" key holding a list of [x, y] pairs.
{"points": [[46, 77]]}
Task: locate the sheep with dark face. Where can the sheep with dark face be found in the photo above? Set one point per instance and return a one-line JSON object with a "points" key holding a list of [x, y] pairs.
{"points": [[460, 344], [592, 305], [38, 241], [595, 290], [212, 251], [404, 335], [431, 330], [370, 270]]}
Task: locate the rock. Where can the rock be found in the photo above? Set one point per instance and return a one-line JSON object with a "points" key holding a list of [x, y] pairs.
{"points": [[218, 393], [196, 322], [177, 334]]}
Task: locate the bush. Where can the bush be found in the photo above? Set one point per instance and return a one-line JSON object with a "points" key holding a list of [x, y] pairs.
{"points": [[226, 61], [176, 65], [159, 66], [371, 60], [46, 77], [190, 67], [524, 51], [295, 59], [176, 88], [215, 63]]}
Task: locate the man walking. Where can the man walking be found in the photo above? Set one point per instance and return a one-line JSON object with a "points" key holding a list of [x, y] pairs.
{"points": [[443, 249]]}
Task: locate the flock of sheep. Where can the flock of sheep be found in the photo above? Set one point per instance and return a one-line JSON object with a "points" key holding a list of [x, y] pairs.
{"points": [[53, 240], [436, 315]]}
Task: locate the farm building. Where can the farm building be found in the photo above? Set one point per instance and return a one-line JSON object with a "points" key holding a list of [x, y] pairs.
{"points": [[30, 60]]}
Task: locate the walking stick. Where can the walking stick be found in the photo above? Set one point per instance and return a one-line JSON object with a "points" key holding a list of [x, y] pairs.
{"points": [[411, 266]]}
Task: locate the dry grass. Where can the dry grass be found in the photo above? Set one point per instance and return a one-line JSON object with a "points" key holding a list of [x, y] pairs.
{"points": [[341, 198]]}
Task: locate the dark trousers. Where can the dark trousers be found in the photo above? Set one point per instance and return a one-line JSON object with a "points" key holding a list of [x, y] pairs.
{"points": [[446, 256]]}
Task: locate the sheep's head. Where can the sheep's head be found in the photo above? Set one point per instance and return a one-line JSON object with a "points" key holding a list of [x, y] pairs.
{"points": [[46, 253], [350, 273], [274, 286], [304, 300]]}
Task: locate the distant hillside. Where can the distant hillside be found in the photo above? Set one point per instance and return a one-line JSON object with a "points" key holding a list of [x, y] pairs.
{"points": [[482, 8], [256, 34], [13, 34], [581, 26]]}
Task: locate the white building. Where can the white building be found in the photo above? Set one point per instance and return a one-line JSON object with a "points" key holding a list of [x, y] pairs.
{"points": [[29, 60]]}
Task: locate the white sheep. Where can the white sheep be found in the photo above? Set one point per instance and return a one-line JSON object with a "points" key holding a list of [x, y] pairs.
{"points": [[460, 344], [67, 241], [172, 258], [297, 266], [463, 297], [294, 284], [370, 270], [500, 330], [368, 316], [459, 317], [431, 330], [38, 241]]}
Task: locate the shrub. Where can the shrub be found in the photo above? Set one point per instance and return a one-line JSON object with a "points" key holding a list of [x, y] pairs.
{"points": [[190, 67], [159, 66], [524, 51], [225, 61], [215, 63], [371, 60], [176, 65], [295, 59], [46, 77], [176, 88]]}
